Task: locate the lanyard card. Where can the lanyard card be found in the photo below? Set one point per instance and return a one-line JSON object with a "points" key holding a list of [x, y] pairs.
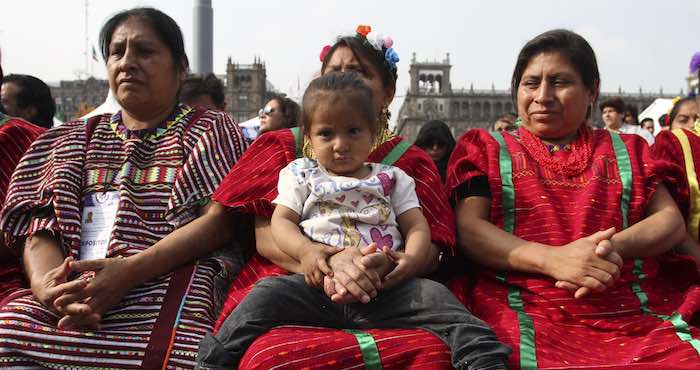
{"points": [[98, 216]]}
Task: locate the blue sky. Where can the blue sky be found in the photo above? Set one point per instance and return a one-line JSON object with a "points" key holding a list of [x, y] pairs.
{"points": [[640, 43]]}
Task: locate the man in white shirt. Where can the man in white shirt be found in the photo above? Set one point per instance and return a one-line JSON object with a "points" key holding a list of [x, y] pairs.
{"points": [[612, 111]]}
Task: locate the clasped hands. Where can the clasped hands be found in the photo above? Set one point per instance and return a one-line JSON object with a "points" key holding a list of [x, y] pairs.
{"points": [[590, 264], [80, 303], [350, 275]]}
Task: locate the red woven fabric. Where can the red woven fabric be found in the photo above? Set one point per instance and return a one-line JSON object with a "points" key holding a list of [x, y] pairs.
{"points": [[602, 330], [667, 147], [295, 347], [252, 185], [15, 137]]}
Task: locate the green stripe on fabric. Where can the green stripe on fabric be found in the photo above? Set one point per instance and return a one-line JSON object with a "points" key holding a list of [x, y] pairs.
{"points": [[396, 153], [680, 326], [3, 118], [368, 347], [506, 168], [298, 142], [624, 167], [528, 351]]}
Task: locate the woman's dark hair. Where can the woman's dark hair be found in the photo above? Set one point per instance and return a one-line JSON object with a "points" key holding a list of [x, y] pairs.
{"points": [[209, 84], [677, 107], [437, 131], [571, 46], [335, 87], [364, 53], [165, 27], [614, 102], [646, 119], [633, 111], [290, 111], [33, 92]]}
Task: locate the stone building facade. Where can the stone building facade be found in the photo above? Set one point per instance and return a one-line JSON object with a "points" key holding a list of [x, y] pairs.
{"points": [[77, 97], [431, 96], [247, 89]]}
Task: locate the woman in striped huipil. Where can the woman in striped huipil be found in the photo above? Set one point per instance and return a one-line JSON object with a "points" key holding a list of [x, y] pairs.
{"points": [[89, 203]]}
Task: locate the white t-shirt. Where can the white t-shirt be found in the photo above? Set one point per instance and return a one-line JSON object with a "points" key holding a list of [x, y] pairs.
{"points": [[345, 211], [638, 130]]}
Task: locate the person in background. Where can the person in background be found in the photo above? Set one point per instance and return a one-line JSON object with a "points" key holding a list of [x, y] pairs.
{"points": [[280, 112], [435, 137], [612, 110], [684, 113], [206, 91], [648, 124], [664, 122], [29, 98], [15, 137], [630, 115]]}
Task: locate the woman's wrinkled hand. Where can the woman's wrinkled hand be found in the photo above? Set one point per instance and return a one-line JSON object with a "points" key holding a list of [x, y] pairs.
{"points": [[55, 284], [585, 265], [111, 280], [357, 274]]}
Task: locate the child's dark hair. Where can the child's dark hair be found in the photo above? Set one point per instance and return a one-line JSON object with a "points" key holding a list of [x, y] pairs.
{"points": [[334, 87]]}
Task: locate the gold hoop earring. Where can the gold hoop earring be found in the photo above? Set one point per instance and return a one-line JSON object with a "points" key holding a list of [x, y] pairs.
{"points": [[383, 132]]}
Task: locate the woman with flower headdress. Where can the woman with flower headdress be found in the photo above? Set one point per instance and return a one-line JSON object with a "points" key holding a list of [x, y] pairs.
{"points": [[572, 228], [681, 145], [252, 185]]}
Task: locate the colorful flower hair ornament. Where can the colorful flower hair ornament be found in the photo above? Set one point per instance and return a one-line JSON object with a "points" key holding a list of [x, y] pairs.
{"points": [[363, 30], [695, 63], [324, 52], [380, 43], [392, 57]]}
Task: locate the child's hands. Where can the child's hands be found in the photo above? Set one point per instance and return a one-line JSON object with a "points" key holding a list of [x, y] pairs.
{"points": [[406, 267], [314, 263]]}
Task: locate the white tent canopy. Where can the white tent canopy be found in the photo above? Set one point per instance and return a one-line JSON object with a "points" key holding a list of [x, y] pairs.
{"points": [[655, 110]]}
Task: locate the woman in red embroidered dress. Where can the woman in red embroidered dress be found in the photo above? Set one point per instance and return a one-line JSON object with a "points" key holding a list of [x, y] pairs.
{"points": [[250, 188], [571, 227], [682, 147]]}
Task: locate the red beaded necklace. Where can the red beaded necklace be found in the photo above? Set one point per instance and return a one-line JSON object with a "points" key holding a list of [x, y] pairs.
{"points": [[576, 162]]}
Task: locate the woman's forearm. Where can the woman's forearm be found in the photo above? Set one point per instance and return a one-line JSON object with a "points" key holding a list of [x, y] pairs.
{"points": [[266, 246], [41, 254], [488, 245], [690, 247], [211, 231], [660, 231]]}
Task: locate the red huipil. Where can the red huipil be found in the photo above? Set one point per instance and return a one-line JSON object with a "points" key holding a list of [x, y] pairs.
{"points": [[15, 137], [676, 146], [644, 321], [251, 186]]}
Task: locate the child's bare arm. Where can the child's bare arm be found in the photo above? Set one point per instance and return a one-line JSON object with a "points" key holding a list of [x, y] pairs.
{"points": [[417, 257], [289, 238]]}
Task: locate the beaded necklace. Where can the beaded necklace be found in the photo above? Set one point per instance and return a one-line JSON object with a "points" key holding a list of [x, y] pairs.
{"points": [[576, 162], [124, 133]]}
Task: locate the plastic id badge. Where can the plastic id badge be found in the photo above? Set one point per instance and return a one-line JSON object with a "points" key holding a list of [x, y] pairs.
{"points": [[99, 214]]}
